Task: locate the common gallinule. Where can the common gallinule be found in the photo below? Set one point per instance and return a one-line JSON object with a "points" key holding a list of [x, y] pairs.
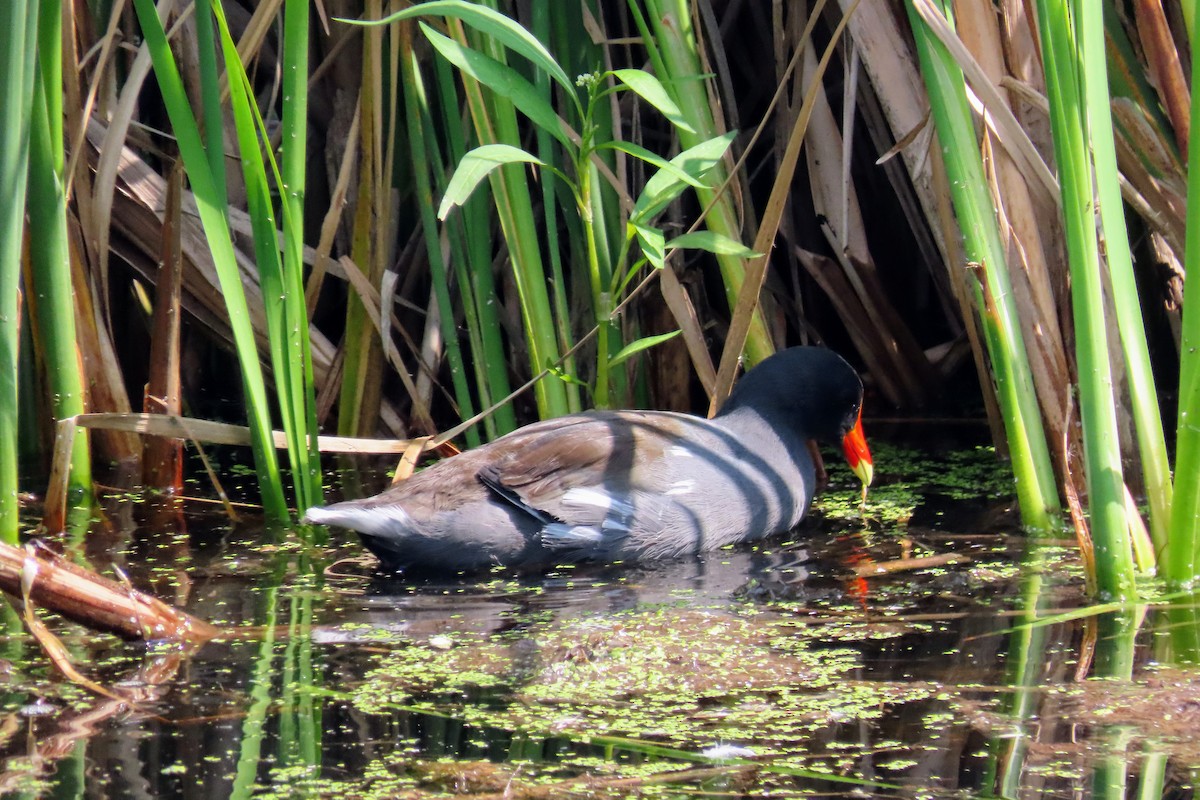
{"points": [[624, 485]]}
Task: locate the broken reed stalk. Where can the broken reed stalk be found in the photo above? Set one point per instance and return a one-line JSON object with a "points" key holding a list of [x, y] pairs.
{"points": [[53, 582], [197, 430], [162, 458]]}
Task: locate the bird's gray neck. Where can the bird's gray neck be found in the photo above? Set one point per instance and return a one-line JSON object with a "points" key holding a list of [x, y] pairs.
{"points": [[753, 425]]}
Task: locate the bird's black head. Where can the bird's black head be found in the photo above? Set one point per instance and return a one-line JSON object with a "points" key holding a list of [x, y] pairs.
{"points": [[811, 389]]}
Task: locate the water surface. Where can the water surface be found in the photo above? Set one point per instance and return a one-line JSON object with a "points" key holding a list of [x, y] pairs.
{"points": [[783, 670]]}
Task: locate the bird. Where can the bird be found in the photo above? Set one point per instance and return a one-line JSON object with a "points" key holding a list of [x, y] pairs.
{"points": [[627, 485]]}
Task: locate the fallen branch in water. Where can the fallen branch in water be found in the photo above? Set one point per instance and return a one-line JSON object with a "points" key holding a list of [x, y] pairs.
{"points": [[54, 583]]}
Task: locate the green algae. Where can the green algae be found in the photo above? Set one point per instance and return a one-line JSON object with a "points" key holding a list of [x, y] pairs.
{"points": [[907, 478], [685, 679]]}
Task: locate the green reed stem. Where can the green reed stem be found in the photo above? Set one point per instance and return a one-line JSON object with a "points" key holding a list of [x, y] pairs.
{"points": [[210, 91], [543, 15], [496, 121], [300, 385], [1148, 424], [673, 47], [1097, 406], [1181, 562], [18, 44], [1036, 490], [470, 235], [53, 300], [282, 289]]}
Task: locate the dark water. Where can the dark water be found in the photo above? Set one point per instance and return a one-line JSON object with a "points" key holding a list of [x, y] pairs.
{"points": [[779, 671]]}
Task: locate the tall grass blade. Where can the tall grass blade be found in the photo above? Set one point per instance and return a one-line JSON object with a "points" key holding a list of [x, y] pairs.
{"points": [[300, 383], [495, 121], [469, 234], [492, 113], [416, 113], [281, 288], [288, 365], [503, 80], [561, 241], [495, 25], [210, 91], [211, 206]]}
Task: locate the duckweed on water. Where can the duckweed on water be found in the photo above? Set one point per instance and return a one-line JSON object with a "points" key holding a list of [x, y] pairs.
{"points": [[686, 679], [889, 505], [971, 474]]}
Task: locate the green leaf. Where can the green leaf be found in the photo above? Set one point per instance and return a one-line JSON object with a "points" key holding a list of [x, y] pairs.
{"points": [[490, 22], [663, 186], [637, 151], [637, 346], [653, 244], [564, 376], [503, 80], [647, 87], [475, 166], [712, 242]]}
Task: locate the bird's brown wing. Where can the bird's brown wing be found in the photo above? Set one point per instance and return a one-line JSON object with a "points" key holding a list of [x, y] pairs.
{"points": [[606, 453]]}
